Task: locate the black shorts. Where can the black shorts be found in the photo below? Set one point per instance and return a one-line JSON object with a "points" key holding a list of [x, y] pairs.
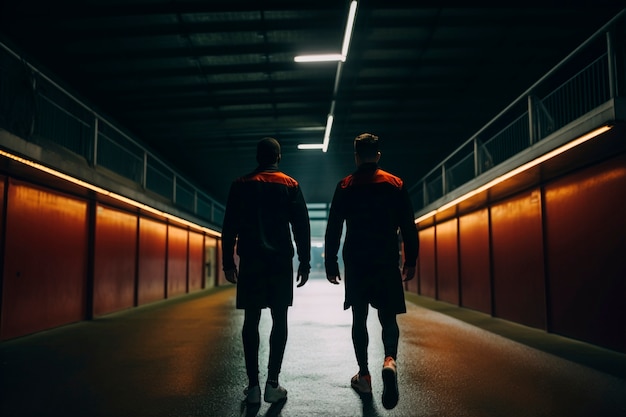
{"points": [[378, 285], [265, 282]]}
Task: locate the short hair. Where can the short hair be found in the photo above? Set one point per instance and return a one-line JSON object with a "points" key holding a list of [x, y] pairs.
{"points": [[267, 151], [366, 146]]}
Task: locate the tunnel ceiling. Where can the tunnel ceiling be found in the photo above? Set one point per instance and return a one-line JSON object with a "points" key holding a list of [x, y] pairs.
{"points": [[199, 82]]}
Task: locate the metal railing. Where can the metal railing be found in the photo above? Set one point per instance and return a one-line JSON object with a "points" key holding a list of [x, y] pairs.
{"points": [[34, 106], [584, 80]]}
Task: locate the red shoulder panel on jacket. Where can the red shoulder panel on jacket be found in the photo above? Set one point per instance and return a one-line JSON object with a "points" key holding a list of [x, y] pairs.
{"points": [[378, 177], [272, 177]]}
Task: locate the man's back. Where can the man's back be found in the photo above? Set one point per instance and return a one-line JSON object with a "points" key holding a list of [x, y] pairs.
{"points": [[374, 204], [261, 207]]}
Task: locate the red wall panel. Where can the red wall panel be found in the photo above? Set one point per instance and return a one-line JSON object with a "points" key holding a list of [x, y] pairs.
{"points": [[176, 261], [586, 246], [151, 269], [448, 262], [210, 261], [475, 261], [518, 264], [221, 279], [196, 264], [115, 255], [428, 286], [45, 265]]}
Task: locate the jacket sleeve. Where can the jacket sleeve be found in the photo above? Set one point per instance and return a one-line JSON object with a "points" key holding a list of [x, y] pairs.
{"points": [[408, 229], [230, 229], [301, 230], [332, 239]]}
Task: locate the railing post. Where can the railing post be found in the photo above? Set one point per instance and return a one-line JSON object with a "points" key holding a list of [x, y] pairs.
{"points": [[96, 127], [425, 193], [444, 185], [476, 159], [174, 189], [610, 53], [144, 177], [531, 120]]}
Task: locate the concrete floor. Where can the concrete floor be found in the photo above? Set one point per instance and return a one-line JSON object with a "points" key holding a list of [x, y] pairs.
{"points": [[183, 357]]}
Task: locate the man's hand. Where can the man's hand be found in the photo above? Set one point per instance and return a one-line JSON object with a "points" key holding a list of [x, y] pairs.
{"points": [[231, 275], [302, 278], [408, 272], [333, 279]]}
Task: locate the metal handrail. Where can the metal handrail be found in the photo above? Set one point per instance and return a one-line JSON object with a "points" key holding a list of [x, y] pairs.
{"points": [[528, 95]]}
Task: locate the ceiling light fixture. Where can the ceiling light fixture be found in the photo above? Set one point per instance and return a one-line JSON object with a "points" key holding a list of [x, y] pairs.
{"points": [[320, 58], [349, 28], [340, 58]]}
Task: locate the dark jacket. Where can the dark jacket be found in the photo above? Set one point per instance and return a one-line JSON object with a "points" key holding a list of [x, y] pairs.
{"points": [[261, 207], [374, 205]]}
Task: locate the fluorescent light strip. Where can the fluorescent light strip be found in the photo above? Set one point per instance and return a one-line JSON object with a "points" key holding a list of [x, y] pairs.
{"points": [[347, 36], [329, 126], [349, 27], [320, 58], [108, 193], [517, 170], [310, 146]]}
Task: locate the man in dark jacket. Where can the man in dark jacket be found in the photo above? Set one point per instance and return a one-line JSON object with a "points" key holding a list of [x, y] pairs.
{"points": [[375, 205], [261, 207]]}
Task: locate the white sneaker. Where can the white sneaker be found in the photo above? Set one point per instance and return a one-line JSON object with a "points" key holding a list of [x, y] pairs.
{"points": [[253, 394], [274, 395]]}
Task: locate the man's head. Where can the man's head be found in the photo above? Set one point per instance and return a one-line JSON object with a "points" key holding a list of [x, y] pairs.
{"points": [[366, 148], [268, 151]]}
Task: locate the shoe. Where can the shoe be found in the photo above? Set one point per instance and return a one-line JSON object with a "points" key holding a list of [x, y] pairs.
{"points": [[253, 394], [362, 384], [390, 383], [274, 395]]}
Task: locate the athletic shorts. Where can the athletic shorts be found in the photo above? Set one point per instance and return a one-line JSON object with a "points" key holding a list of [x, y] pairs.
{"points": [[378, 285], [265, 282]]}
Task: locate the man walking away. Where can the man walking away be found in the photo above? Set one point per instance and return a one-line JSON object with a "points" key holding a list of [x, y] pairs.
{"points": [[374, 204], [261, 207]]}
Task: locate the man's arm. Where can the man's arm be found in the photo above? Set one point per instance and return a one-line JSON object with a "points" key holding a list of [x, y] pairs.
{"points": [[302, 236], [332, 239], [410, 238], [229, 236]]}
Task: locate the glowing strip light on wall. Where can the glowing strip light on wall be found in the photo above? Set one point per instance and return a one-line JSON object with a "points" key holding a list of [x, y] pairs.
{"points": [[108, 193], [516, 171]]}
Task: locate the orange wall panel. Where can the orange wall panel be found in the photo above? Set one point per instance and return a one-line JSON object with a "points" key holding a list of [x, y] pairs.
{"points": [[196, 264], [475, 261], [177, 261], [586, 246], [448, 262], [427, 275], [45, 264], [210, 261], [518, 262], [151, 269], [115, 255]]}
